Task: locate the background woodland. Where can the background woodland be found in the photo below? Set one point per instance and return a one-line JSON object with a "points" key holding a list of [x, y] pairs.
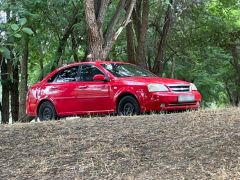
{"points": [[196, 41]]}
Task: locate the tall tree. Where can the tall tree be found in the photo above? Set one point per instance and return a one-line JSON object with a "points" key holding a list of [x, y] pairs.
{"points": [[14, 90], [168, 23], [68, 31], [138, 30], [5, 81], [14, 63], [24, 77], [100, 43]]}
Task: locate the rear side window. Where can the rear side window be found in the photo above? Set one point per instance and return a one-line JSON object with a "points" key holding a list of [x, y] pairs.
{"points": [[68, 75], [88, 71]]}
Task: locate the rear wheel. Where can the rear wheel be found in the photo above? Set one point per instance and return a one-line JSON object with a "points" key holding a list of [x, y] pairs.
{"points": [[47, 112], [128, 106]]}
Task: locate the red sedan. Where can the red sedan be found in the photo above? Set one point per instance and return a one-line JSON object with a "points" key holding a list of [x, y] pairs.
{"points": [[107, 87]]}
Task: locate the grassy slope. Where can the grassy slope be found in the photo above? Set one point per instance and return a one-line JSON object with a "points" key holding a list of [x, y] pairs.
{"points": [[203, 144]]}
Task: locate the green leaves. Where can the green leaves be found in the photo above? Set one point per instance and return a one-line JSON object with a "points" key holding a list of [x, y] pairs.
{"points": [[18, 28], [14, 27], [23, 21], [17, 36], [28, 31], [5, 52]]}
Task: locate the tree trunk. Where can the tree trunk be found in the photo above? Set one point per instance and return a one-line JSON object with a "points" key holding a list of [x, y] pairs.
{"points": [[74, 47], [61, 47], [137, 16], [130, 43], [5, 91], [235, 57], [173, 67], [95, 49], [158, 66], [235, 62], [24, 77], [15, 93], [63, 40], [141, 57], [136, 51], [233, 95], [98, 46]]}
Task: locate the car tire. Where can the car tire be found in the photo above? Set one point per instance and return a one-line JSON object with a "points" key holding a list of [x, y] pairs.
{"points": [[128, 106], [47, 112]]}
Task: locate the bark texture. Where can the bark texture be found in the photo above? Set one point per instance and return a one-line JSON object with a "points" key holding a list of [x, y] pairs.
{"points": [[136, 51], [63, 39], [141, 57], [24, 77], [99, 43], [15, 92], [130, 44], [158, 66], [5, 81], [74, 47], [235, 94]]}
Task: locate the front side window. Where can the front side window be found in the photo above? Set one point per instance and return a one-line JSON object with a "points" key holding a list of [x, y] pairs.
{"points": [[127, 70], [67, 75], [88, 72]]}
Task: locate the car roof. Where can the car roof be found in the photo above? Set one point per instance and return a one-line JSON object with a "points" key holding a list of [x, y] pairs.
{"points": [[91, 62], [98, 62]]}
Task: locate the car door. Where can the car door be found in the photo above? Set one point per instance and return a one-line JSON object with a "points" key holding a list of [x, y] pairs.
{"points": [[63, 90], [94, 95]]}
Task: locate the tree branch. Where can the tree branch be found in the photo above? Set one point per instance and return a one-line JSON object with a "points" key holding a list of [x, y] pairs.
{"points": [[101, 15], [110, 30], [63, 40], [168, 23], [55, 29], [111, 38]]}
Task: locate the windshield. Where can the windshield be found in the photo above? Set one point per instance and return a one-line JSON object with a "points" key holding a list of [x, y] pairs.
{"points": [[127, 70]]}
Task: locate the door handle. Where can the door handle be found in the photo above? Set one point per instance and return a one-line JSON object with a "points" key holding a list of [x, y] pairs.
{"points": [[82, 87], [54, 88]]}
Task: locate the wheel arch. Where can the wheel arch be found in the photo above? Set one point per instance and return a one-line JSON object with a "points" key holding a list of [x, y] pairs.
{"points": [[124, 94], [45, 100]]}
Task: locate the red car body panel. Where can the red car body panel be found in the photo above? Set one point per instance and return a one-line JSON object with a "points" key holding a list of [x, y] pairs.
{"points": [[77, 98]]}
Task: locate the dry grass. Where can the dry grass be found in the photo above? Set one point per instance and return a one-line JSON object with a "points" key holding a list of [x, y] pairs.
{"points": [[191, 145]]}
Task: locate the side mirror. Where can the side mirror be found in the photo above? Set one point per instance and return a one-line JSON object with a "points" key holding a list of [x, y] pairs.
{"points": [[100, 77]]}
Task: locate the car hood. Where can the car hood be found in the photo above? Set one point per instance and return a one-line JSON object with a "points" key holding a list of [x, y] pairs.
{"points": [[149, 80]]}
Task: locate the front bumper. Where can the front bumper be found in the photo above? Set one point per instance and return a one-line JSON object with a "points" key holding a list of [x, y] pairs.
{"points": [[168, 101]]}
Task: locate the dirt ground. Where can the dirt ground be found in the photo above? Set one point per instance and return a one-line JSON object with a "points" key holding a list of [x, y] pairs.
{"points": [[190, 145]]}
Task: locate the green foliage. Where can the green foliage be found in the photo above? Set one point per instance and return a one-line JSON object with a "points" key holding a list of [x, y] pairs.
{"points": [[5, 51], [198, 42], [28, 31]]}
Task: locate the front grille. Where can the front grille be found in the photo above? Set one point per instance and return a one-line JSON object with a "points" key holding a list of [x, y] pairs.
{"points": [[179, 87]]}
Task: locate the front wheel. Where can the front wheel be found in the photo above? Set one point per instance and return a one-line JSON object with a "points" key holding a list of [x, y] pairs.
{"points": [[128, 106], [47, 112]]}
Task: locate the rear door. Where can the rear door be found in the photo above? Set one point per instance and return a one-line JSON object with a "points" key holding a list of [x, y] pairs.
{"points": [[63, 90]]}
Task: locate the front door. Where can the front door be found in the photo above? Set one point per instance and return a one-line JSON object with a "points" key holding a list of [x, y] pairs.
{"points": [[94, 95]]}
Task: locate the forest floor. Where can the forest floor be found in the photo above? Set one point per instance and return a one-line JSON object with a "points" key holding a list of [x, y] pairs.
{"points": [[191, 145]]}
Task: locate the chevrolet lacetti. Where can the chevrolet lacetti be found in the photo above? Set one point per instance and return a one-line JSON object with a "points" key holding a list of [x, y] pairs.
{"points": [[107, 87]]}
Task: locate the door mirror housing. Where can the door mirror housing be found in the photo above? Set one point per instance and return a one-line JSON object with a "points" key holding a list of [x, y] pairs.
{"points": [[100, 77]]}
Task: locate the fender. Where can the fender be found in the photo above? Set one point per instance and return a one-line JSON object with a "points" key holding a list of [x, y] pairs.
{"points": [[138, 93], [46, 98]]}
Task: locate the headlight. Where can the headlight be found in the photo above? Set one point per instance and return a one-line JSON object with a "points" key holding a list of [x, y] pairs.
{"points": [[193, 87], [157, 88]]}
